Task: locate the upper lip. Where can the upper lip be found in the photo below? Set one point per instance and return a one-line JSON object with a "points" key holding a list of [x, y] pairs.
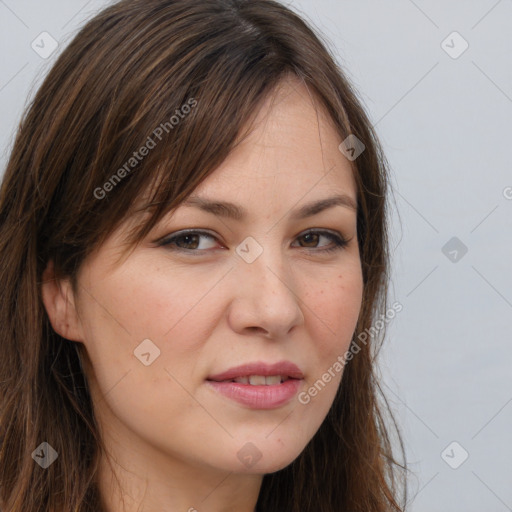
{"points": [[283, 368]]}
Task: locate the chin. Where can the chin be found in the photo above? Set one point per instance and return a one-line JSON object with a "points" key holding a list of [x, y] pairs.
{"points": [[263, 460], [276, 465]]}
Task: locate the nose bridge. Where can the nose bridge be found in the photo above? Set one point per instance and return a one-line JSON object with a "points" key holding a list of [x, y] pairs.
{"points": [[263, 264]]}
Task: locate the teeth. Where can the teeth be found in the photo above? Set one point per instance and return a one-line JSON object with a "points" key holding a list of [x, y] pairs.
{"points": [[257, 380], [272, 380], [261, 380]]}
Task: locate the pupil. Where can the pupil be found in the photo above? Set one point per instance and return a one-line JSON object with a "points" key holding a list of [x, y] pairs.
{"points": [[187, 239], [309, 235]]}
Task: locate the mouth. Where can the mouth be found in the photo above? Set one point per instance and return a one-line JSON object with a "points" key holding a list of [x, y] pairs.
{"points": [[260, 373], [259, 385], [258, 380]]}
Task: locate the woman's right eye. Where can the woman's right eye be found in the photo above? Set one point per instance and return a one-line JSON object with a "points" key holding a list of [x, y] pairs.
{"points": [[189, 241]]}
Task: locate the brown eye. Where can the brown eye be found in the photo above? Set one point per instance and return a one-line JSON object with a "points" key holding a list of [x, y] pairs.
{"points": [[312, 239], [187, 241]]}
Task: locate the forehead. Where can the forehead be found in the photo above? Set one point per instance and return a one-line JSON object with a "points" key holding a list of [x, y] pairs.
{"points": [[291, 147]]}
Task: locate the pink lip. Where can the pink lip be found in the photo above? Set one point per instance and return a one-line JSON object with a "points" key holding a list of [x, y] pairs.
{"points": [[261, 396]]}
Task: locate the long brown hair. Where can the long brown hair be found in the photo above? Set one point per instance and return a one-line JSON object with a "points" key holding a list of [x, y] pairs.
{"points": [[127, 72]]}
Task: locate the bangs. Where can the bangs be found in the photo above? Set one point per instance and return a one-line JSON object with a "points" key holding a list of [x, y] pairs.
{"points": [[171, 174]]}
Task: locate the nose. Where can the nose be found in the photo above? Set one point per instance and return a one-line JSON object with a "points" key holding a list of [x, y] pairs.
{"points": [[265, 300]]}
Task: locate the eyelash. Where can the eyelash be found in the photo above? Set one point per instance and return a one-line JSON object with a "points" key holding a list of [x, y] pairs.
{"points": [[339, 241]]}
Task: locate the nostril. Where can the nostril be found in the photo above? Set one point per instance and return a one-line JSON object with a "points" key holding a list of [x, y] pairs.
{"points": [[256, 329]]}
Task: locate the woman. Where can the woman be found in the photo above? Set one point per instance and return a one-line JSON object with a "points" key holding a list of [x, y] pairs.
{"points": [[194, 249]]}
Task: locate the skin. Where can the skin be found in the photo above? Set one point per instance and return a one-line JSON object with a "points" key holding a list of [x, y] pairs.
{"points": [[173, 440]]}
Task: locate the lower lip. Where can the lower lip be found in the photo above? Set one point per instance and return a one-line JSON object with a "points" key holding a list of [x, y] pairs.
{"points": [[259, 397]]}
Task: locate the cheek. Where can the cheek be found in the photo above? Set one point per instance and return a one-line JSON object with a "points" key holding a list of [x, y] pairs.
{"points": [[123, 309], [139, 304], [334, 309], [332, 313]]}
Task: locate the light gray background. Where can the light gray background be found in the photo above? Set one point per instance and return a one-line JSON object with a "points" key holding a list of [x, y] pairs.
{"points": [[445, 126]]}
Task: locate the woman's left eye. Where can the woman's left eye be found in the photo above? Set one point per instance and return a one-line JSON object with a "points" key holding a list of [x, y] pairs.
{"points": [[337, 241], [190, 241]]}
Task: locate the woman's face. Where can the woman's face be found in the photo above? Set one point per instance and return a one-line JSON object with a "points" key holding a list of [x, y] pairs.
{"points": [[249, 290]]}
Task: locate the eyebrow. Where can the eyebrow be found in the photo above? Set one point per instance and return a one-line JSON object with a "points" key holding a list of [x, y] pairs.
{"points": [[239, 213]]}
